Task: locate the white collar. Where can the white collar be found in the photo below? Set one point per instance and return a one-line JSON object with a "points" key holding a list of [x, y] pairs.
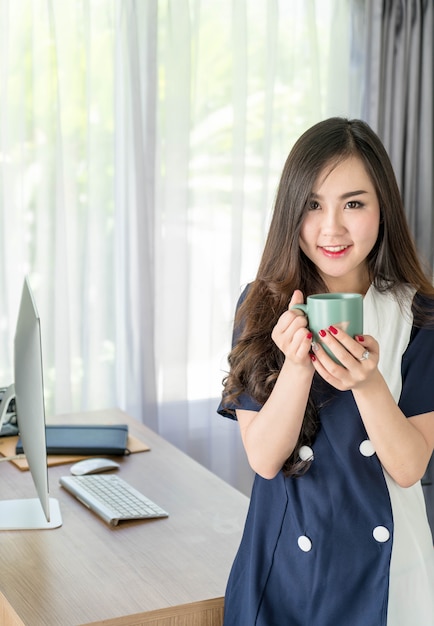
{"points": [[390, 323]]}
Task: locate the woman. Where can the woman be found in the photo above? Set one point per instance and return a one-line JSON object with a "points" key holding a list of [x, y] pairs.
{"points": [[337, 532]]}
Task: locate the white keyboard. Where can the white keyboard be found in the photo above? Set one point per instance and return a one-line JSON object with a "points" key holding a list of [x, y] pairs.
{"points": [[112, 498]]}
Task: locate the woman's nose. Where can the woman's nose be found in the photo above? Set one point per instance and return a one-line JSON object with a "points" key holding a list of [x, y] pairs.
{"points": [[332, 222]]}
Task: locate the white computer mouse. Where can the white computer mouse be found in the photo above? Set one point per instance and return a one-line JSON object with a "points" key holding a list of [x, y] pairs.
{"points": [[93, 466]]}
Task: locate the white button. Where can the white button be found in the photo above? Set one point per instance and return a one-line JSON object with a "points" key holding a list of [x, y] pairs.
{"points": [[305, 453], [366, 448], [304, 543], [381, 534]]}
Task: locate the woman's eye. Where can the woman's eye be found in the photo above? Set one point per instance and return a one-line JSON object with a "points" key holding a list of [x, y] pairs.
{"points": [[354, 204], [313, 205]]}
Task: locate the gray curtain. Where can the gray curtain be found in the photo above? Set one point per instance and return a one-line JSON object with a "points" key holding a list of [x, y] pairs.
{"points": [[398, 103]]}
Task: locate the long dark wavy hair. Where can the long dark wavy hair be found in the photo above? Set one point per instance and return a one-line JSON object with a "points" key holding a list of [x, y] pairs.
{"points": [[255, 361]]}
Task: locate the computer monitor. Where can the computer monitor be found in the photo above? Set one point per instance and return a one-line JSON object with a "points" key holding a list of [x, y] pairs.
{"points": [[43, 511]]}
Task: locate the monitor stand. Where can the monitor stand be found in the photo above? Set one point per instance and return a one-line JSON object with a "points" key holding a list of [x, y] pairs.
{"points": [[27, 514]]}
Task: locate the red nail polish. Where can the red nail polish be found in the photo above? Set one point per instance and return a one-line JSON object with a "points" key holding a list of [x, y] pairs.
{"points": [[322, 333], [333, 330], [360, 338], [312, 357], [309, 336]]}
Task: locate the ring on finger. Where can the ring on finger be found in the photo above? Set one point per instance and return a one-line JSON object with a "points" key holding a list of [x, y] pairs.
{"points": [[365, 355]]}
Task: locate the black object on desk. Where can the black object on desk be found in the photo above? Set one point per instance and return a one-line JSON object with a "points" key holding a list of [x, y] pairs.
{"points": [[85, 439]]}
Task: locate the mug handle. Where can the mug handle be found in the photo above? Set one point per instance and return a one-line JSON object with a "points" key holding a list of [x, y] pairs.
{"points": [[301, 307]]}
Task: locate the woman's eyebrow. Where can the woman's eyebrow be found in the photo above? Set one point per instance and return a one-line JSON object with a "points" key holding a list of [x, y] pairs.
{"points": [[344, 196]]}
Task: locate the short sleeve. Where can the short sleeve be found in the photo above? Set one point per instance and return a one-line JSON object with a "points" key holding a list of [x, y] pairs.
{"points": [[417, 395], [244, 401]]}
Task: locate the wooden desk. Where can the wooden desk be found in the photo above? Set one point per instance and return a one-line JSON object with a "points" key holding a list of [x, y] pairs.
{"points": [[166, 572]]}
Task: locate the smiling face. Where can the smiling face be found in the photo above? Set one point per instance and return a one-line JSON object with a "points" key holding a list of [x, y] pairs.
{"points": [[341, 225]]}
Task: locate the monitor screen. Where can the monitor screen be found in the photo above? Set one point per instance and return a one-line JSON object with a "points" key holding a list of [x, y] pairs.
{"points": [[43, 511]]}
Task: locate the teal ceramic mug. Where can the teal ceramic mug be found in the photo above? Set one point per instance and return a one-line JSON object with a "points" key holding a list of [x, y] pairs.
{"points": [[341, 310]]}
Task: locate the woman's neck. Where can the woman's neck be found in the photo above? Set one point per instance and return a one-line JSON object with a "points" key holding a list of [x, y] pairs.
{"points": [[347, 285]]}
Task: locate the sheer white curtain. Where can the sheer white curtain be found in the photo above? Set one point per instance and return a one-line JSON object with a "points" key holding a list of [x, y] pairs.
{"points": [[140, 148], [239, 83], [135, 275], [56, 191]]}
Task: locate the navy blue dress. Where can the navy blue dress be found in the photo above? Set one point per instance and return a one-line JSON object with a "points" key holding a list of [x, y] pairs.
{"points": [[316, 549]]}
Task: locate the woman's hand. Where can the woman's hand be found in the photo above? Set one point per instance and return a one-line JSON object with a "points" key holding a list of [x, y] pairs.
{"points": [[291, 335], [358, 357]]}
